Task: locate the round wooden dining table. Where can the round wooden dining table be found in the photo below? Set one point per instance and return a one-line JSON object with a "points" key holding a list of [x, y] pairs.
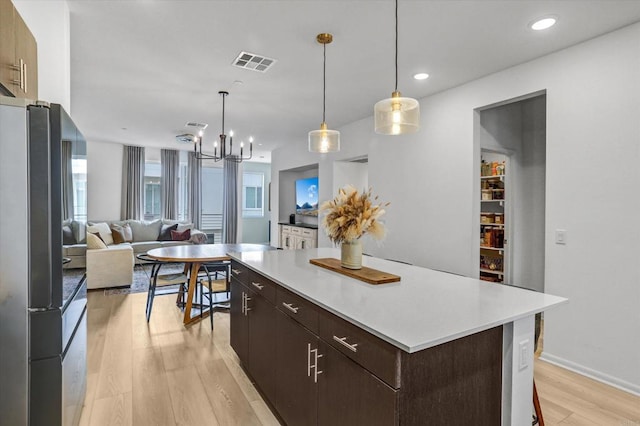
{"points": [[194, 256]]}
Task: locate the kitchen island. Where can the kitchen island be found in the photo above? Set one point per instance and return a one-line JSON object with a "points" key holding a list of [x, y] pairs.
{"points": [[434, 348]]}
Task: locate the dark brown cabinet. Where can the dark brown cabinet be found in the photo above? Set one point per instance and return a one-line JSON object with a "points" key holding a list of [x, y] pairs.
{"points": [[350, 395], [296, 397], [239, 321], [315, 368], [18, 55], [253, 332], [262, 342]]}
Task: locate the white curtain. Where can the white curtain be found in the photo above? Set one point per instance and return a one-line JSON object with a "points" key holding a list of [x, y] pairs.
{"points": [[132, 183], [169, 170], [230, 202], [194, 195]]}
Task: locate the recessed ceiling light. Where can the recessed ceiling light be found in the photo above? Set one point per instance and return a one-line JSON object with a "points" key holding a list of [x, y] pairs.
{"points": [[421, 76], [543, 23]]}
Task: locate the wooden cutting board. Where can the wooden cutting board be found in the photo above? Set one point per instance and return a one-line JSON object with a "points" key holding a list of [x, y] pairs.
{"points": [[368, 275]]}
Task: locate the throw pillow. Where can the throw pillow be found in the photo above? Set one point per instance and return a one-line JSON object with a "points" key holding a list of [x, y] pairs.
{"points": [[165, 232], [103, 229], [95, 242], [121, 234], [182, 226], [145, 231], [68, 239], [181, 236]]}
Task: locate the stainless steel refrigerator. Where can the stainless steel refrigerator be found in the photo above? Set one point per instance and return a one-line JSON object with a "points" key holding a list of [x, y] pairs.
{"points": [[43, 337]]}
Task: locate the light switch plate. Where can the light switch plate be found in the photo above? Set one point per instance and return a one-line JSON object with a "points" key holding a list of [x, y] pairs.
{"points": [[523, 351], [561, 236]]}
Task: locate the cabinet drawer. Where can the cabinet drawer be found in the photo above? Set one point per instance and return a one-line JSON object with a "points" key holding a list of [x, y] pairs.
{"points": [[296, 230], [286, 228], [262, 286], [240, 272], [298, 308], [371, 352], [308, 233]]}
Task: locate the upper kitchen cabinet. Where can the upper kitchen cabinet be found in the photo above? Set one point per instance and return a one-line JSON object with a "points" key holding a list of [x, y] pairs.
{"points": [[18, 55]]}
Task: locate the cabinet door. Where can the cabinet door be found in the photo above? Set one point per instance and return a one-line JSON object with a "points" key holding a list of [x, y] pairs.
{"points": [[239, 322], [262, 344], [7, 47], [296, 390], [27, 51], [289, 241], [350, 395], [305, 243]]}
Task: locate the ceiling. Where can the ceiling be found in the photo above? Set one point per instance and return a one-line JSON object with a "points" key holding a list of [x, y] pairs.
{"points": [[141, 69]]}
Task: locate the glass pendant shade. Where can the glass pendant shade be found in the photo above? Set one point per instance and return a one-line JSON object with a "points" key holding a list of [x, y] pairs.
{"points": [[324, 140], [397, 115]]}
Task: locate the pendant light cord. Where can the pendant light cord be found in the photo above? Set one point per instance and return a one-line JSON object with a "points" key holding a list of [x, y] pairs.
{"points": [[324, 81], [396, 45], [223, 96]]}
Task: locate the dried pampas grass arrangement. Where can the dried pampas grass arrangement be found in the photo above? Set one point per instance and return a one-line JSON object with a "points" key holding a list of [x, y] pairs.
{"points": [[351, 215]]}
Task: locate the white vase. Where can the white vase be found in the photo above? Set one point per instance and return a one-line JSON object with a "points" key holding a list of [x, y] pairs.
{"points": [[351, 256]]}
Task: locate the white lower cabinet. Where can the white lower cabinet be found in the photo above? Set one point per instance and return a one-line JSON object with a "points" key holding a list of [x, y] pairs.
{"points": [[296, 237]]}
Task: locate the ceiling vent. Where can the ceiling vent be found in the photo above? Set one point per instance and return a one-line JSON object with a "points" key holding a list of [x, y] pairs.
{"points": [[254, 62], [200, 126], [185, 138]]}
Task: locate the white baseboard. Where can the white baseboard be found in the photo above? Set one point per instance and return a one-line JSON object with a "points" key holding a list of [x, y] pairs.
{"points": [[592, 374]]}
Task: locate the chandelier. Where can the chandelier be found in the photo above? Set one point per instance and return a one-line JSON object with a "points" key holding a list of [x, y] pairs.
{"points": [[225, 152]]}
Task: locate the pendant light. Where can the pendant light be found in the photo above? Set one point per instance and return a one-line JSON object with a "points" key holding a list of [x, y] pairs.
{"points": [[324, 140], [397, 115]]}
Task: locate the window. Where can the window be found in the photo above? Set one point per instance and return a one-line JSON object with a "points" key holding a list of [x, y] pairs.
{"points": [[79, 172], [212, 198], [252, 194], [152, 191]]}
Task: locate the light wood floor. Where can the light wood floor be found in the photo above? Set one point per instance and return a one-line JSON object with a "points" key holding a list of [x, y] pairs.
{"points": [[166, 374]]}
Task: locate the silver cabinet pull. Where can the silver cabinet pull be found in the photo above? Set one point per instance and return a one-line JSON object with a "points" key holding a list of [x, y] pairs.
{"points": [[246, 304], [242, 308], [313, 366], [24, 71], [257, 285], [236, 271], [290, 307], [20, 67], [343, 342], [315, 370]]}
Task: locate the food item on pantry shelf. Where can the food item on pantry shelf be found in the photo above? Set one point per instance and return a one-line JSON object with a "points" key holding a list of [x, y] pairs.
{"points": [[489, 237], [486, 195], [487, 217], [499, 218], [498, 238]]}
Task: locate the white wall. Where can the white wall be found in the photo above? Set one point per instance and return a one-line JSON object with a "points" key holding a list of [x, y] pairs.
{"points": [[350, 173], [49, 22], [104, 180], [592, 184]]}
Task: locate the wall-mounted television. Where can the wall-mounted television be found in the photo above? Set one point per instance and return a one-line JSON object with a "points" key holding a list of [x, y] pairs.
{"points": [[307, 196]]}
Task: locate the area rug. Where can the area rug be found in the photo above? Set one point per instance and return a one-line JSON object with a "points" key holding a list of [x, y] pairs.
{"points": [[140, 283]]}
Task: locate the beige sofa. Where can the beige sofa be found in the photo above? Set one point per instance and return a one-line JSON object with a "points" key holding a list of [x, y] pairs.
{"points": [[113, 266]]}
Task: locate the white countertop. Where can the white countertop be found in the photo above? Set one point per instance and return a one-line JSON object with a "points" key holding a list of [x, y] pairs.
{"points": [[426, 308]]}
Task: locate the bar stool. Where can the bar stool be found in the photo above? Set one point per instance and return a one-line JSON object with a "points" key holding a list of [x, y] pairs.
{"points": [[209, 279]]}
